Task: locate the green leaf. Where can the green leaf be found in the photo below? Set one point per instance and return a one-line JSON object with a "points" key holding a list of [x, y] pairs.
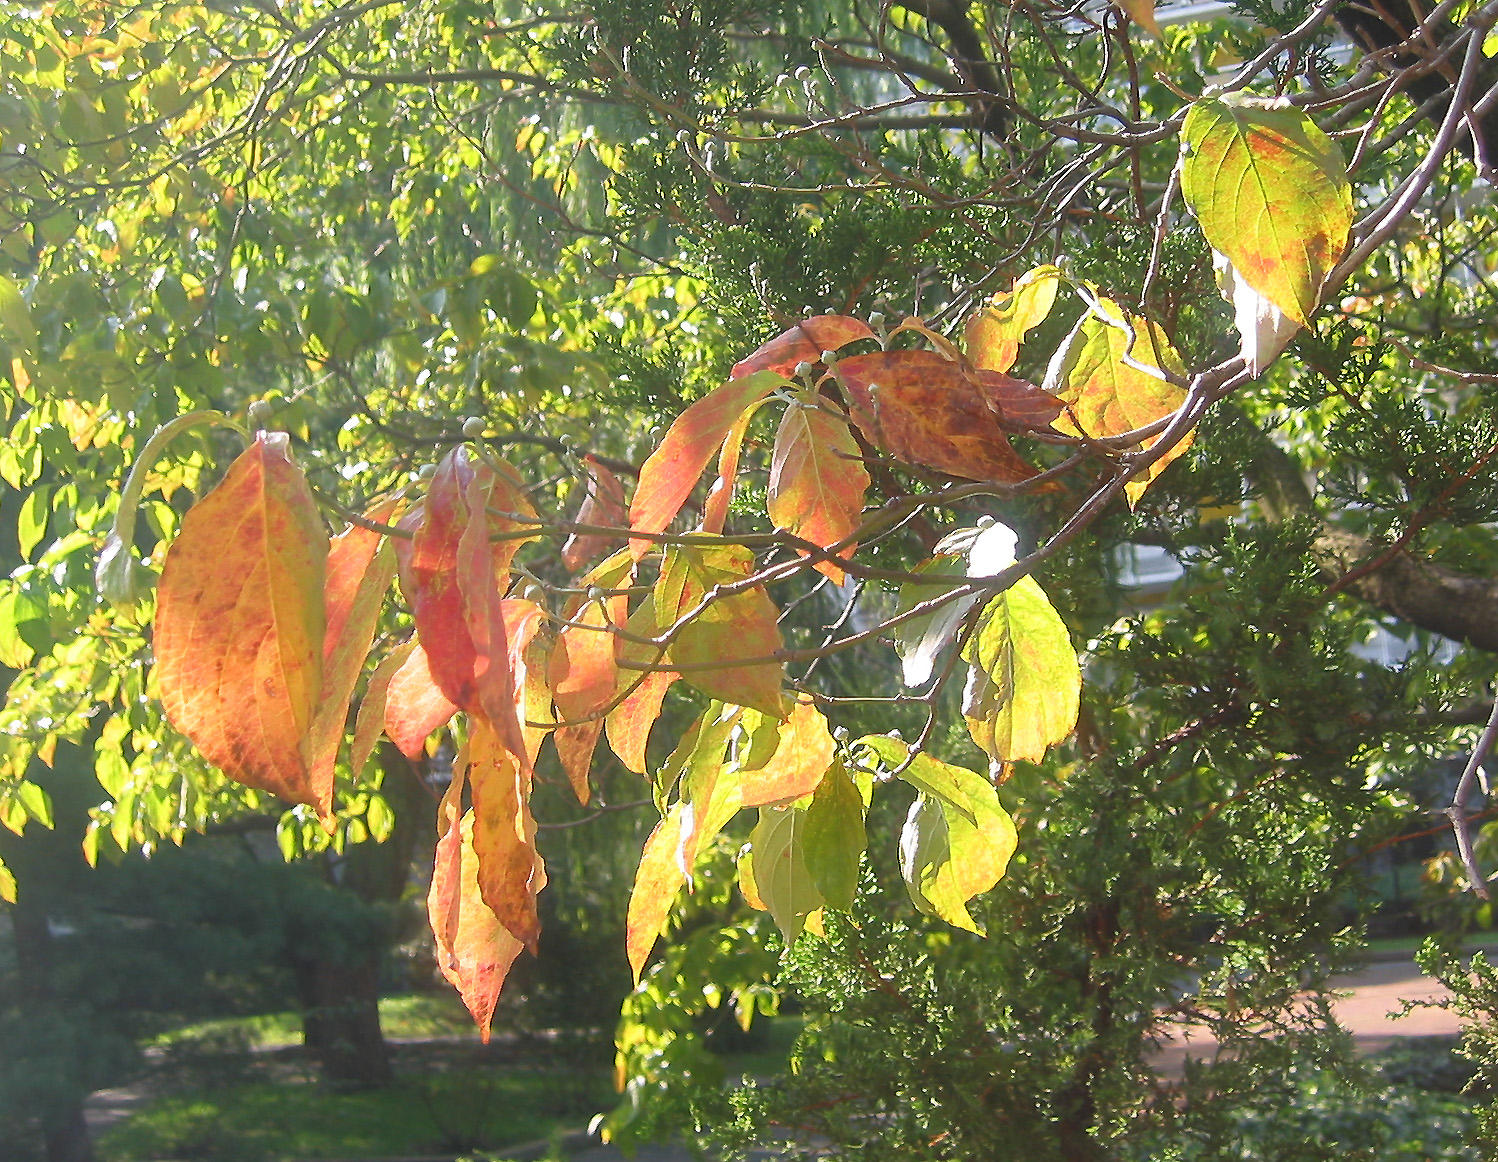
{"points": [[1271, 193], [835, 837], [1025, 683], [15, 317], [7, 885], [932, 776], [36, 801], [31, 525], [780, 871], [947, 858]]}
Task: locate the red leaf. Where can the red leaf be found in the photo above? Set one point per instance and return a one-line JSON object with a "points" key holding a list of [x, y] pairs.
{"points": [[1020, 405], [804, 343], [510, 871], [629, 723], [603, 504], [669, 475], [240, 624], [360, 567], [414, 704], [923, 409], [720, 496], [817, 481], [474, 951]]}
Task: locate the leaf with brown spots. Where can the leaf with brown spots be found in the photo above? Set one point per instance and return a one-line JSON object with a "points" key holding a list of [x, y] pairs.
{"points": [[240, 624], [924, 409]]}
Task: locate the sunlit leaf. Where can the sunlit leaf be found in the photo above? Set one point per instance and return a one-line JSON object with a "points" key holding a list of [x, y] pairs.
{"points": [[803, 343], [240, 623], [995, 331], [1142, 13], [817, 480], [1024, 683], [414, 704], [802, 755], [628, 724], [1109, 373], [603, 504], [1265, 330], [948, 856], [510, 872], [780, 873], [673, 469], [924, 409], [657, 881], [1271, 193], [835, 838]]}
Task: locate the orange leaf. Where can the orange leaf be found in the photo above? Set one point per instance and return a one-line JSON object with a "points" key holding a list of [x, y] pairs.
{"points": [[720, 496], [657, 881], [504, 833], [727, 632], [669, 475], [995, 331], [474, 951], [803, 343], [371, 717], [575, 747], [414, 705], [923, 409], [629, 723], [1020, 405], [361, 565], [800, 760], [603, 504], [523, 621], [583, 669], [240, 624], [817, 480]]}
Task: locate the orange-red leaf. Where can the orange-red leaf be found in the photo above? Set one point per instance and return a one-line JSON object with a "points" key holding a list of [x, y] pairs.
{"points": [[603, 504], [1020, 405], [575, 747], [414, 704], [629, 723], [360, 567], [504, 833], [817, 481], [801, 758], [995, 331], [804, 343], [474, 950], [720, 496], [923, 409], [240, 623], [657, 881], [669, 475]]}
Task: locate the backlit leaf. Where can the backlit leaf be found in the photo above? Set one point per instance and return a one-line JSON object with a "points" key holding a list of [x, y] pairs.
{"points": [[817, 480], [510, 872], [603, 504], [720, 495], [628, 724], [1265, 329], [932, 776], [780, 872], [1109, 374], [995, 331], [801, 757], [414, 705], [948, 856], [474, 950], [835, 837], [803, 343], [727, 632], [240, 623], [1271, 193], [657, 881], [672, 470], [1024, 685], [1142, 13], [924, 409]]}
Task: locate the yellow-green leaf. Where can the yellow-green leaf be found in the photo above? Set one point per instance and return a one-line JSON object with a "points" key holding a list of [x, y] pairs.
{"points": [[948, 857], [835, 837], [1271, 193], [994, 333], [780, 872]]}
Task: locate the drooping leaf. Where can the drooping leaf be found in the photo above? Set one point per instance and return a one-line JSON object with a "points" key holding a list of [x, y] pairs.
{"points": [[604, 505], [835, 838], [1020, 406], [720, 495], [1142, 13], [995, 331], [529, 664], [726, 639], [1109, 374], [414, 704], [240, 624], [1024, 685], [474, 950], [370, 720], [657, 881], [360, 567], [510, 871], [988, 550], [940, 780], [575, 747], [803, 343], [1270, 191], [924, 409], [628, 724], [817, 480], [672, 470], [1264, 328], [802, 756], [780, 873], [948, 856]]}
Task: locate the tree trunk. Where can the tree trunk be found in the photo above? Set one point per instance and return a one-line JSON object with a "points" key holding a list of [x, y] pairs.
{"points": [[341, 1021]]}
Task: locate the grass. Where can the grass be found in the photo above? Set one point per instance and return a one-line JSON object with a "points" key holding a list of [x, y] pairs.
{"points": [[418, 1016], [1411, 944], [462, 1109]]}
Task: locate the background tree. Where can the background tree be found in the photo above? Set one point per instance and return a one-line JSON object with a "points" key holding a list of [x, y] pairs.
{"points": [[535, 228]]}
